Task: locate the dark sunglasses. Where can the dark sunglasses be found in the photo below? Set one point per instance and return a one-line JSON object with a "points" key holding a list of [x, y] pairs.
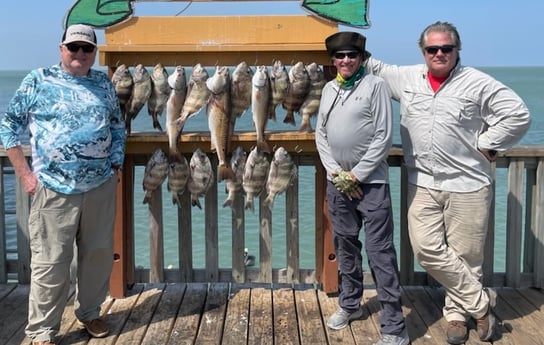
{"points": [[434, 49], [350, 55], [74, 47]]}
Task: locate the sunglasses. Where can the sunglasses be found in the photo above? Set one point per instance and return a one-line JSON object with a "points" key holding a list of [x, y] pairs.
{"points": [[74, 47], [350, 55], [446, 49]]}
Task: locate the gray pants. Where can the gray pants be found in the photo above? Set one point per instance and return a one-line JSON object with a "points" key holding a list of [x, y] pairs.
{"points": [[347, 217], [447, 232], [56, 222]]}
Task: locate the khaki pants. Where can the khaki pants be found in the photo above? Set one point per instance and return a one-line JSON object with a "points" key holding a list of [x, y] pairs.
{"points": [[56, 222], [447, 231]]}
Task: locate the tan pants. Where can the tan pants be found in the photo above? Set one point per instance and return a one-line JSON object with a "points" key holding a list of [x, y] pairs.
{"points": [[56, 222], [447, 231]]}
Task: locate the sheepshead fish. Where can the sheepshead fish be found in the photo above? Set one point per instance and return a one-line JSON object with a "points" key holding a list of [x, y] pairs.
{"points": [[122, 80], [255, 174], [279, 82], [140, 94], [299, 86], [155, 173], [281, 174], [310, 106], [219, 114], [178, 174], [260, 105], [240, 90], [238, 164], [178, 84], [200, 176], [160, 91], [197, 95]]}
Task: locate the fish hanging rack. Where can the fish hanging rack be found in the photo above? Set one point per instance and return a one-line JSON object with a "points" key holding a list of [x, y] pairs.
{"points": [[216, 40]]}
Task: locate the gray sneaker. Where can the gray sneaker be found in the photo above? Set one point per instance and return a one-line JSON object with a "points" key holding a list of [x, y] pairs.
{"points": [[341, 318], [390, 339]]}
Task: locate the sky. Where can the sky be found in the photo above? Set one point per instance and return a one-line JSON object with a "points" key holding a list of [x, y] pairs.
{"points": [[493, 33]]}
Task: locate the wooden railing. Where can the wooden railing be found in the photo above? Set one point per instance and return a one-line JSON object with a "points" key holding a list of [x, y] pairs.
{"points": [[522, 168]]}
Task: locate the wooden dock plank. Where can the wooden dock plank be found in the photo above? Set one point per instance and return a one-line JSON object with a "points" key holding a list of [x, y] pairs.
{"points": [[165, 314], [260, 317], [141, 314], [188, 319], [253, 313], [237, 317], [213, 317], [15, 306], [285, 317], [310, 323]]}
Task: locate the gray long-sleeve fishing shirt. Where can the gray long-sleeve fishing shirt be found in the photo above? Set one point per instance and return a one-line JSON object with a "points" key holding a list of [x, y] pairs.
{"points": [[354, 129], [443, 131]]}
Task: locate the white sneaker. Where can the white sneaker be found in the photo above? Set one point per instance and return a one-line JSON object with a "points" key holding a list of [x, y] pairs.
{"points": [[341, 318], [390, 339]]}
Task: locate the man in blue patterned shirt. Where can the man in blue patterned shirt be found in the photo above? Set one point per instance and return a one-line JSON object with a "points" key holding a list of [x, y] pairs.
{"points": [[77, 139]]}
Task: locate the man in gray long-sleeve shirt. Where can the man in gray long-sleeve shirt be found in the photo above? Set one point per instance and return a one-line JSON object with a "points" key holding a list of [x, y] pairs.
{"points": [[353, 138], [454, 119]]}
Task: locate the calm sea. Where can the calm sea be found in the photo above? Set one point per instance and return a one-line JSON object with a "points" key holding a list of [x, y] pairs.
{"points": [[528, 82]]}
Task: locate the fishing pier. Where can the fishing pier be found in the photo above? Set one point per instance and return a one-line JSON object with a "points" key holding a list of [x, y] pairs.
{"points": [[265, 303]]}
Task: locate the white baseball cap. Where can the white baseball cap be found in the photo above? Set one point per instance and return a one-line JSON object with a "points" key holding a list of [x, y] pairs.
{"points": [[79, 33]]}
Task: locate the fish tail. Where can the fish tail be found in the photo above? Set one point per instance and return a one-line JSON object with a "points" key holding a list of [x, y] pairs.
{"points": [[225, 173], [269, 201], [305, 125], [228, 202], [156, 123], [272, 114], [147, 197], [249, 205], [262, 146], [289, 118], [195, 201], [176, 200]]}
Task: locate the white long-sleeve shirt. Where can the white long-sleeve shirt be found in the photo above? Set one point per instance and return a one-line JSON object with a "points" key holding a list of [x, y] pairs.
{"points": [[356, 134], [443, 131]]}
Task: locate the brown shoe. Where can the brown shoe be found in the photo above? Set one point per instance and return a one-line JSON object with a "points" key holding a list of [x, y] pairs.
{"points": [[97, 327], [457, 332], [47, 342], [486, 324]]}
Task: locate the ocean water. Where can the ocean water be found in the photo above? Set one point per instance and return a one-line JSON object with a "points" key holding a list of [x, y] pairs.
{"points": [[528, 82]]}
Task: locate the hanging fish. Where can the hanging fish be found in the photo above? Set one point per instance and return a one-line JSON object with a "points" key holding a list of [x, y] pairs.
{"points": [[155, 173], [160, 91], [219, 114], [299, 86], [140, 94], [178, 85], [310, 106], [281, 174], [200, 176], [122, 80]]}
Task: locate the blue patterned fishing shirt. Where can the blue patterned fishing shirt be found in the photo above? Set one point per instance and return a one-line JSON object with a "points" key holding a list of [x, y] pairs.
{"points": [[77, 132]]}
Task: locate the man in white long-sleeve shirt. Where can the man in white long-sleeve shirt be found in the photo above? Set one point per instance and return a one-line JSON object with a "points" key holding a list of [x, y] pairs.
{"points": [[454, 120]]}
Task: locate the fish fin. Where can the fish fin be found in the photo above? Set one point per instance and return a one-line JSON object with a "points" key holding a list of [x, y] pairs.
{"points": [[263, 146], [289, 118]]}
